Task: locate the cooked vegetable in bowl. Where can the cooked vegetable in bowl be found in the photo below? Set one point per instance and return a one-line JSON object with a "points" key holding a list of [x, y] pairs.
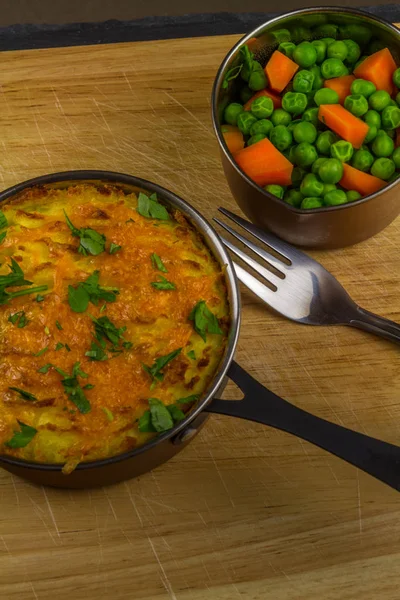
{"points": [[114, 319]]}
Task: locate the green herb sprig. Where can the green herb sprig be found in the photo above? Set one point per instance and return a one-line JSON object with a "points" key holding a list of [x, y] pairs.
{"points": [[90, 291], [21, 438], [148, 206], [160, 363], [160, 417], [16, 278], [90, 240], [19, 319], [204, 320]]}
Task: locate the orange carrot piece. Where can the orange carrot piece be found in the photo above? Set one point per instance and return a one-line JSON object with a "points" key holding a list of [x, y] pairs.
{"points": [[378, 68], [264, 164], [280, 69], [277, 100], [342, 122], [233, 138], [341, 85], [363, 183]]}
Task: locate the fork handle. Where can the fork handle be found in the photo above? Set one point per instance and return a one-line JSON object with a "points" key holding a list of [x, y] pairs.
{"points": [[375, 324], [379, 459]]}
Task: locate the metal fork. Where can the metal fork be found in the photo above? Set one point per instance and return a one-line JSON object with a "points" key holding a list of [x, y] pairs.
{"points": [[303, 290]]}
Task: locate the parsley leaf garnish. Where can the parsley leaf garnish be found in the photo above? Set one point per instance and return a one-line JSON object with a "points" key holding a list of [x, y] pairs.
{"points": [[73, 390], [41, 352], [148, 206], [3, 220], [3, 236], [45, 369], [91, 241], [155, 370], [106, 331], [24, 394], [15, 279], [204, 320], [97, 351], [163, 284], [108, 413], [90, 291], [59, 345], [158, 263], [114, 248], [160, 417], [231, 74], [19, 319], [21, 438], [58, 325], [39, 298], [191, 354]]}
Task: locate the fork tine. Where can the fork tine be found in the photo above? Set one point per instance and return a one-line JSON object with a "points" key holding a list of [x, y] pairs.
{"points": [[267, 275], [289, 252], [258, 288], [269, 258]]}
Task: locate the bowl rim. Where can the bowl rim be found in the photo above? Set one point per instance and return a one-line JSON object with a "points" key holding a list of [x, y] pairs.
{"points": [[216, 247], [218, 81]]}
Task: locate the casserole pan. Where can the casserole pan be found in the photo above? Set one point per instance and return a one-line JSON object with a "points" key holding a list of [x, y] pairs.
{"points": [[259, 404]]}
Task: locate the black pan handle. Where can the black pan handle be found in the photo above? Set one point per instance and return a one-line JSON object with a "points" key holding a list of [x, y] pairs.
{"points": [[379, 459]]}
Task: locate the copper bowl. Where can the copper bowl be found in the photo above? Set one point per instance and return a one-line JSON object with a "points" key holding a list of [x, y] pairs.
{"points": [[328, 227]]}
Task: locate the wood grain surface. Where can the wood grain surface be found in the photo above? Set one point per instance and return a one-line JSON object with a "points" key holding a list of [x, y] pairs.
{"points": [[245, 512]]}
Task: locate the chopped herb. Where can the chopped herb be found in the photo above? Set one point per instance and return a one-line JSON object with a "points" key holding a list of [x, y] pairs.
{"points": [[158, 263], [47, 330], [160, 417], [108, 413], [39, 298], [191, 354], [3, 220], [97, 351], [163, 284], [73, 390], [88, 386], [91, 241], [176, 413], [58, 325], [3, 236], [68, 349], [21, 438], [247, 56], [41, 352], [103, 308], [160, 363], [231, 74], [204, 320], [59, 345], [148, 206], [114, 248], [24, 395], [130, 221], [90, 291], [188, 399], [45, 369], [16, 278], [106, 331], [19, 319]]}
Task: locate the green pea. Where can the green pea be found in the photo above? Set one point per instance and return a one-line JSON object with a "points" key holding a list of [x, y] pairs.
{"points": [[352, 196], [280, 117], [287, 48], [311, 116], [281, 137], [244, 121], [356, 104], [262, 107], [396, 78], [310, 99], [311, 203], [391, 117], [357, 32], [328, 41], [363, 87], [353, 51], [303, 81], [275, 190], [281, 35], [362, 160], [390, 132], [342, 151], [331, 171], [292, 150], [396, 157], [294, 103], [333, 67], [305, 132], [232, 112], [301, 33], [256, 138], [293, 124], [320, 48], [383, 168], [311, 186], [327, 30], [325, 141], [293, 197], [297, 176], [379, 100], [326, 96], [258, 79], [398, 98], [371, 135], [328, 187], [305, 55], [316, 165], [392, 102], [372, 117], [305, 154], [262, 126], [245, 94], [337, 50], [335, 197], [382, 145]]}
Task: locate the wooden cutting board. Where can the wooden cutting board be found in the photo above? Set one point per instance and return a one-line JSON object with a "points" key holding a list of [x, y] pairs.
{"points": [[245, 512]]}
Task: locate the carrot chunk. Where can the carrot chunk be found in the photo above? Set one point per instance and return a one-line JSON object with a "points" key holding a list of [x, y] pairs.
{"points": [[342, 122], [341, 85], [264, 164], [378, 68], [269, 94], [280, 69], [233, 138], [363, 183]]}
